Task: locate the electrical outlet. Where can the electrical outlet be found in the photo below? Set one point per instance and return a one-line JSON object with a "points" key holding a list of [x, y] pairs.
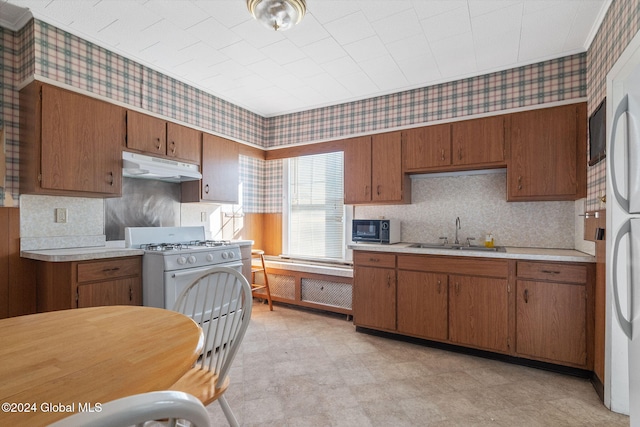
{"points": [[203, 217], [61, 215]]}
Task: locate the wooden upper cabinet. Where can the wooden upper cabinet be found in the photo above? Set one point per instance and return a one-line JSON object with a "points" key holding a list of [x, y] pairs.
{"points": [[156, 136], [479, 142], [426, 147], [548, 154], [65, 150], [146, 133], [387, 179], [373, 170], [183, 142], [220, 172], [357, 170]]}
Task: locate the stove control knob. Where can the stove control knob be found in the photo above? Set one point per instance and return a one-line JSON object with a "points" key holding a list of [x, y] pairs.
{"points": [[182, 260], [191, 259], [231, 254], [225, 255], [210, 257]]}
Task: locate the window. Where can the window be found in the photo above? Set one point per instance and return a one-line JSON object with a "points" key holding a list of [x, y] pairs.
{"points": [[314, 213]]}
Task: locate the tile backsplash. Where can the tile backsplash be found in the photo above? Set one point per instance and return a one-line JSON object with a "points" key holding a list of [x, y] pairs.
{"points": [[480, 202], [38, 229]]}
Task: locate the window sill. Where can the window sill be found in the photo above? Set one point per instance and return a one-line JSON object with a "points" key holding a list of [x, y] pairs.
{"points": [[339, 270]]}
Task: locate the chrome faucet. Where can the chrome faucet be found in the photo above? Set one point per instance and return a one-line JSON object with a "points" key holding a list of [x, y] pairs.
{"points": [[456, 241]]}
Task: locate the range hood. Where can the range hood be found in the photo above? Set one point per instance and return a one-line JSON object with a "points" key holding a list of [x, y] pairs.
{"points": [[136, 165]]}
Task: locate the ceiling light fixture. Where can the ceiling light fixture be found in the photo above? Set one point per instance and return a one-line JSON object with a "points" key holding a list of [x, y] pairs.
{"points": [[277, 14]]}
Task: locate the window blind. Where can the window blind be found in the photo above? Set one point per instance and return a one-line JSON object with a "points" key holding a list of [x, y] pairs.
{"points": [[316, 210]]}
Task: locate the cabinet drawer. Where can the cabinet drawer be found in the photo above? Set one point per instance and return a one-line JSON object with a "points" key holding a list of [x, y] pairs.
{"points": [[374, 259], [455, 265], [556, 272], [101, 270]]}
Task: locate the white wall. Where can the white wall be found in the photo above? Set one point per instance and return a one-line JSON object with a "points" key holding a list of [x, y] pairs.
{"points": [[480, 202]]}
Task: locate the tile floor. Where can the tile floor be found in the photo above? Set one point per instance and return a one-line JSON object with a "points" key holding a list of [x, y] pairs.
{"points": [[303, 368]]}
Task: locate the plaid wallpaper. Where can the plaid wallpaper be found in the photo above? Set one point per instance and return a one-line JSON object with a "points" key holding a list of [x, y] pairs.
{"points": [[619, 26], [68, 59], [554, 80]]}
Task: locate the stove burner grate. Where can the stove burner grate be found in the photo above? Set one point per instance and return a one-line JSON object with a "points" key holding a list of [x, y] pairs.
{"points": [[210, 243], [161, 247]]}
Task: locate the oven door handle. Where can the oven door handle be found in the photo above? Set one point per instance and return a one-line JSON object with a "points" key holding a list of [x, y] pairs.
{"points": [[191, 271]]}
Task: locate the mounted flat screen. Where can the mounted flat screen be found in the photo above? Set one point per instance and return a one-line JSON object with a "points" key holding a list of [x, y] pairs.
{"points": [[598, 133]]}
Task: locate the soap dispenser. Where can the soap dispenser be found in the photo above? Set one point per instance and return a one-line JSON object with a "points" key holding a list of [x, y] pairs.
{"points": [[488, 240]]}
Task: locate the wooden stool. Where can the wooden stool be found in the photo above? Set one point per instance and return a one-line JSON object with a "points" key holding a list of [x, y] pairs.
{"points": [[254, 287]]}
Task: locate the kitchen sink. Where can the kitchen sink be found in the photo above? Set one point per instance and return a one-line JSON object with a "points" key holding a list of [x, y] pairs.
{"points": [[457, 247], [483, 249]]}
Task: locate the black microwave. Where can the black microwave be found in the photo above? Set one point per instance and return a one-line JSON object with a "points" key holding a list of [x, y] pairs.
{"points": [[384, 231]]}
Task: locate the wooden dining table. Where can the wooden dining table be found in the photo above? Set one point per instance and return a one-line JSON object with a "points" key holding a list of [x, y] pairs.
{"points": [[62, 362]]}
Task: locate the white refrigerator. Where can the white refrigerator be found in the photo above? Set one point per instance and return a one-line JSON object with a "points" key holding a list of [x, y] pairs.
{"points": [[622, 341]]}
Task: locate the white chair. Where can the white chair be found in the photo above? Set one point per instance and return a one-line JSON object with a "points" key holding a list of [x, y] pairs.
{"points": [[139, 409], [220, 302]]}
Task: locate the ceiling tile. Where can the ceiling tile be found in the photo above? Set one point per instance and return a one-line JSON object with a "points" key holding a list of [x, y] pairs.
{"points": [[228, 13], [377, 10], [256, 34], [303, 68], [341, 66], [350, 28], [409, 47], [385, 73], [183, 17], [213, 33], [325, 50], [419, 69], [387, 28], [479, 8], [359, 84], [455, 55], [283, 52], [366, 49], [307, 32], [243, 53], [431, 8], [447, 24]]}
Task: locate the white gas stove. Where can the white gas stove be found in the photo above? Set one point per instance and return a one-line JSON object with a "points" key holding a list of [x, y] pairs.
{"points": [[174, 257]]}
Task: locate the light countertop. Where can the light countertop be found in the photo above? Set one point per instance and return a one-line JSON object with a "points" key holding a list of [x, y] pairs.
{"points": [[541, 254], [80, 254]]}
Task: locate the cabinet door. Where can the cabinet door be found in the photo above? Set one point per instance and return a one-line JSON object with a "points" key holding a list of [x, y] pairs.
{"points": [[146, 133], [543, 158], [183, 143], [479, 142], [423, 304], [220, 169], [79, 152], [551, 321], [115, 292], [386, 167], [357, 170], [478, 312], [426, 147], [374, 297]]}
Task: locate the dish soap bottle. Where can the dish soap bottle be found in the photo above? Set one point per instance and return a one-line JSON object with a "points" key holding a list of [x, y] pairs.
{"points": [[488, 240]]}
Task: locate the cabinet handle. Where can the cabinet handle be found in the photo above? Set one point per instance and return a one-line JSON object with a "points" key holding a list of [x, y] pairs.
{"points": [[130, 293], [439, 286], [206, 188], [378, 190], [550, 271], [107, 270], [366, 190], [158, 145], [459, 152], [442, 154], [526, 296], [457, 288], [374, 259], [173, 147], [111, 179], [520, 182], [388, 280]]}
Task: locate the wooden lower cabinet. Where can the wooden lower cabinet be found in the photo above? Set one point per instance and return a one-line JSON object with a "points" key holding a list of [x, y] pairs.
{"points": [[530, 309], [374, 297], [423, 304], [374, 303], [78, 284], [554, 314], [479, 312]]}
